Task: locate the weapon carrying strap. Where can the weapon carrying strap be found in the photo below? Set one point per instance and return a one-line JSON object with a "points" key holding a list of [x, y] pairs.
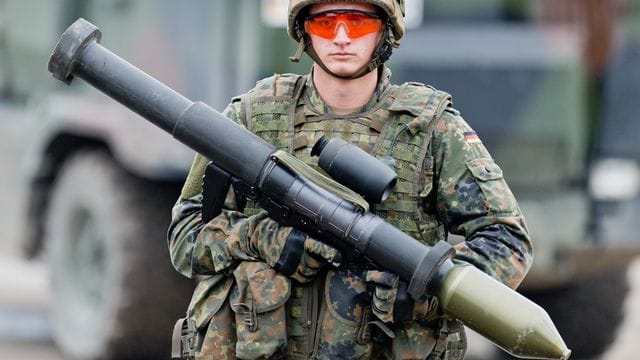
{"points": [[193, 184], [299, 167]]}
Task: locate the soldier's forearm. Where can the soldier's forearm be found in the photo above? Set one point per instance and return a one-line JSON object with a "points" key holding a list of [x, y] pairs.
{"points": [[501, 251]]}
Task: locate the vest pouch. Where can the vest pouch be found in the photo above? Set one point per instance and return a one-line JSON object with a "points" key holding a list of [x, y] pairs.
{"points": [[414, 341], [416, 338], [344, 325], [213, 318], [451, 343], [258, 301]]}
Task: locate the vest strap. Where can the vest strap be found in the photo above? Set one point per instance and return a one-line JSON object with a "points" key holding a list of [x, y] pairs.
{"points": [[300, 142]]}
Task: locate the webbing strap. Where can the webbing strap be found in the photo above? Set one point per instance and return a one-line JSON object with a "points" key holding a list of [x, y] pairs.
{"points": [[193, 184], [183, 339], [299, 167]]}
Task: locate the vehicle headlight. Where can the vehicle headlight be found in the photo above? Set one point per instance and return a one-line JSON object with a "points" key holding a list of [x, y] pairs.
{"points": [[614, 179]]}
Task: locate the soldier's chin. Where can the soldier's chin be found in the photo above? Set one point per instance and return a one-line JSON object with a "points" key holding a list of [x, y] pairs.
{"points": [[343, 71]]}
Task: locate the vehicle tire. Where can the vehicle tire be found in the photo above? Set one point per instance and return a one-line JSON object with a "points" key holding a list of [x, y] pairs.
{"points": [[115, 293], [587, 313]]}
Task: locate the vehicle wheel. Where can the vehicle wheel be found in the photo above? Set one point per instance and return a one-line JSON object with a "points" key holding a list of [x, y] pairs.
{"points": [[115, 293], [587, 313]]}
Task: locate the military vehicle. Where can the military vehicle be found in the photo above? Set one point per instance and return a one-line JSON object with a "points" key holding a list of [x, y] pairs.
{"points": [[91, 185]]}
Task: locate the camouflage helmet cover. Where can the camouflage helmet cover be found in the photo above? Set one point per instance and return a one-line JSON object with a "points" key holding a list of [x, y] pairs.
{"points": [[394, 10]]}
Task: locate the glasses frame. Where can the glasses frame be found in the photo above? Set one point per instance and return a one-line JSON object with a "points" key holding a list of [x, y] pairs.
{"points": [[343, 11], [370, 14]]}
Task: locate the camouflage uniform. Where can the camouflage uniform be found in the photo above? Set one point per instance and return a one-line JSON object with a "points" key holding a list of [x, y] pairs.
{"points": [[447, 183]]}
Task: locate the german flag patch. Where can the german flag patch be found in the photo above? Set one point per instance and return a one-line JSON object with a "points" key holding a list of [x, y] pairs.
{"points": [[471, 137]]}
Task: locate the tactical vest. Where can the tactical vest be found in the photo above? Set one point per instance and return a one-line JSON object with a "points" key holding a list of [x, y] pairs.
{"points": [[398, 130], [398, 126]]}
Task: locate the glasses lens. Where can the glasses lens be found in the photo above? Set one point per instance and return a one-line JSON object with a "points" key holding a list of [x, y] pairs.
{"points": [[323, 25], [357, 24]]}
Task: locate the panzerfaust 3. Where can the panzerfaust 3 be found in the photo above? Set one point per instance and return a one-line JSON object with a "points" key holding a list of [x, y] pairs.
{"points": [[281, 186]]}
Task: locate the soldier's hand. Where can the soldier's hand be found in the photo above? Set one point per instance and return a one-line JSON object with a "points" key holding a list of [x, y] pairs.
{"points": [[292, 253], [287, 250], [391, 302], [384, 294], [314, 257]]}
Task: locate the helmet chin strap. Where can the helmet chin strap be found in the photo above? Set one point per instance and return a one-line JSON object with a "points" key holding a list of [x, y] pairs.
{"points": [[380, 56]]}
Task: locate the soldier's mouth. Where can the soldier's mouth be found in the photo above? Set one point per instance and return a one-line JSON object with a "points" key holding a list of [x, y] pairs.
{"points": [[342, 55]]}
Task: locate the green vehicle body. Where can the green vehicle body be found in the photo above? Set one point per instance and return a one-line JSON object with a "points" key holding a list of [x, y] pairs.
{"points": [[522, 86]]}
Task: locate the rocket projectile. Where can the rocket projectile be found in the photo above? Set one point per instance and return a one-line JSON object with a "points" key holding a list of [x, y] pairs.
{"points": [[508, 319]]}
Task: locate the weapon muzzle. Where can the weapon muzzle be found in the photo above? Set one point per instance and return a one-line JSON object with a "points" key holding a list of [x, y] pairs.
{"points": [[197, 125], [71, 43]]}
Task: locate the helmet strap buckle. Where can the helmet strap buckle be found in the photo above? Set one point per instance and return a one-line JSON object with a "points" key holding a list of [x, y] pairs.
{"points": [[301, 48]]}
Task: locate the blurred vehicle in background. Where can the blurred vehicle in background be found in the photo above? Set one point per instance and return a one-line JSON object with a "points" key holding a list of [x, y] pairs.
{"points": [[92, 186], [549, 87]]}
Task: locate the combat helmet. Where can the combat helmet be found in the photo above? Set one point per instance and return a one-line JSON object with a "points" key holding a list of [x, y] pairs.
{"points": [[394, 30]]}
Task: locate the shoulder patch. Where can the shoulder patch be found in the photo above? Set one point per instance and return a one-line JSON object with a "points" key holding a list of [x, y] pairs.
{"points": [[471, 137]]}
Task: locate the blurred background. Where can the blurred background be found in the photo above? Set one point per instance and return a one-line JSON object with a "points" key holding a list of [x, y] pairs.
{"points": [[552, 87]]}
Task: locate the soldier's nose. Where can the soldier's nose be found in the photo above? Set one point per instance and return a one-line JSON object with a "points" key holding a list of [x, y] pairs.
{"points": [[342, 35]]}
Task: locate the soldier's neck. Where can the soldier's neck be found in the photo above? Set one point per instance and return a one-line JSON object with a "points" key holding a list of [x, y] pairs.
{"points": [[344, 96]]}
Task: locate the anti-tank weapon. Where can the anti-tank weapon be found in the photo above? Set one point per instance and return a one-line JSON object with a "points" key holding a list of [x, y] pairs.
{"points": [[503, 316]]}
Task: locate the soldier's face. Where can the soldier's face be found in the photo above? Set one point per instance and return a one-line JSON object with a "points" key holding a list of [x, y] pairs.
{"points": [[344, 54]]}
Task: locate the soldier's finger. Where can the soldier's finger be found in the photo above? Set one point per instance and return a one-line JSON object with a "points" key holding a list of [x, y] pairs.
{"points": [[327, 252]]}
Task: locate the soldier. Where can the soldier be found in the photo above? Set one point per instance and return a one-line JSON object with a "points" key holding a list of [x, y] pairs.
{"points": [[270, 291]]}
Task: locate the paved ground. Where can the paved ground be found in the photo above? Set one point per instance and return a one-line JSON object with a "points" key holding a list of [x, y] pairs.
{"points": [[626, 345], [25, 331]]}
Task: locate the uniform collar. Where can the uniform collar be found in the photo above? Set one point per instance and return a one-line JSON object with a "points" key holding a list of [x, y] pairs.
{"points": [[317, 106]]}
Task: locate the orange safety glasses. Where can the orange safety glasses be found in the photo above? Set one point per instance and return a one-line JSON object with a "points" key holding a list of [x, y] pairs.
{"points": [[357, 23]]}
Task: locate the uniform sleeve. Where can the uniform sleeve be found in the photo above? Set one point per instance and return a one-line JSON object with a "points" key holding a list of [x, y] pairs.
{"points": [[198, 248], [473, 200]]}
